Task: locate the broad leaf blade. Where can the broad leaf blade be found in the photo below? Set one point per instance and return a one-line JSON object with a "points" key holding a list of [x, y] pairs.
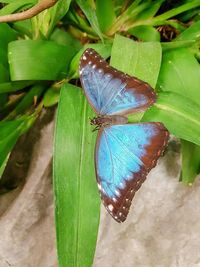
{"points": [[41, 60], [179, 115], [139, 59], [180, 73], [76, 197]]}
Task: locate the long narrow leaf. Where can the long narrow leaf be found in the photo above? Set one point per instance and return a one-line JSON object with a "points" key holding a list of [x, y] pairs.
{"points": [[105, 14], [76, 197], [190, 161], [191, 33], [10, 132], [91, 15]]}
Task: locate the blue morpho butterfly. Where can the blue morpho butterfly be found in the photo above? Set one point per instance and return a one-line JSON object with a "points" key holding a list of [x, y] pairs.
{"points": [[125, 153]]}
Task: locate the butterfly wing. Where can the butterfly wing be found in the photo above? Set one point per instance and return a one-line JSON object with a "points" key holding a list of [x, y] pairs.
{"points": [[124, 156], [110, 91]]}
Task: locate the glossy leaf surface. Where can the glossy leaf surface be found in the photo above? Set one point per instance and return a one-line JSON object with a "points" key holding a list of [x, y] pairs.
{"points": [[76, 196], [179, 115], [41, 60], [137, 59], [180, 73]]}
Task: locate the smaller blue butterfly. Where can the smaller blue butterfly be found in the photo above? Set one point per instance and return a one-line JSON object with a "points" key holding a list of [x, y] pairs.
{"points": [[125, 153]]}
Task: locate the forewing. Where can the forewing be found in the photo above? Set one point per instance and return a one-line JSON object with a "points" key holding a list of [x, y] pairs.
{"points": [[124, 156], [110, 91]]}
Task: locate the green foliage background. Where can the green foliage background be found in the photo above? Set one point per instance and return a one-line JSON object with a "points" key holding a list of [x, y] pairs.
{"points": [[156, 41]]}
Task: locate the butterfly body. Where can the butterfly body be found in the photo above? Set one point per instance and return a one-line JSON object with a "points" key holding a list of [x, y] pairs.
{"points": [[103, 121], [125, 152]]}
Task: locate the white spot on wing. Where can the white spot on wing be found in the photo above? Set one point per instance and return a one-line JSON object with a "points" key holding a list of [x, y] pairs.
{"points": [[121, 185], [99, 186], [114, 199], [110, 207], [84, 57], [117, 193]]}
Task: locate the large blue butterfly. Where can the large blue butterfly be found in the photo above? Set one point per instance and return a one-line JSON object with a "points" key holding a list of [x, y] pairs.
{"points": [[125, 153]]}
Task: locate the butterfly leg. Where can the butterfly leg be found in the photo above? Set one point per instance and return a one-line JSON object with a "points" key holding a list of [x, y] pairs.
{"points": [[96, 128]]}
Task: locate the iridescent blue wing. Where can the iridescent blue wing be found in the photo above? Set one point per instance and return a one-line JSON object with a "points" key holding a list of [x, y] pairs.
{"points": [[110, 91], [124, 156]]}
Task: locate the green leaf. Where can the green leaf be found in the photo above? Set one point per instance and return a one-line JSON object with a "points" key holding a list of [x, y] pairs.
{"points": [[38, 60], [161, 18], [51, 97], [191, 33], [7, 35], [178, 44], [150, 10], [145, 33], [14, 86], [77, 201], [90, 13], [10, 132], [24, 28], [16, 5], [44, 23], [105, 14], [3, 100], [3, 166], [190, 161], [64, 38], [180, 73], [139, 59], [179, 115], [4, 74], [103, 49], [27, 101], [57, 12]]}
